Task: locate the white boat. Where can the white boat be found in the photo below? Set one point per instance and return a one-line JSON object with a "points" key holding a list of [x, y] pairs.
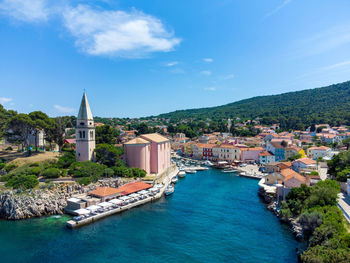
{"points": [[169, 190], [190, 171], [174, 180], [208, 163], [229, 170], [181, 174]]}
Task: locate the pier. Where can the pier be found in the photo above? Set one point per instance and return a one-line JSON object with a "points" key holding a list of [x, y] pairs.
{"points": [[166, 181]]}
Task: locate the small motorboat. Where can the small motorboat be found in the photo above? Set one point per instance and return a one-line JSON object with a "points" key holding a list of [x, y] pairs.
{"points": [[208, 163], [169, 190], [229, 170], [174, 179], [190, 171], [182, 174]]}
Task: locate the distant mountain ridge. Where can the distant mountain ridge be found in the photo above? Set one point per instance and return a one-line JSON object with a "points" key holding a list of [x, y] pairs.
{"points": [[330, 104]]}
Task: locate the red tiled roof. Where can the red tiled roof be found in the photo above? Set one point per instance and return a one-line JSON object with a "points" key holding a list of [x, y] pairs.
{"points": [[133, 187]]}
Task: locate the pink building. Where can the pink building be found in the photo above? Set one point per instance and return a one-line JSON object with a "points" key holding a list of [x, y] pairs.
{"points": [[150, 152], [251, 155]]}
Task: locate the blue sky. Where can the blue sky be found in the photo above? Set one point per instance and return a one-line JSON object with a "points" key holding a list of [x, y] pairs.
{"points": [[141, 58]]}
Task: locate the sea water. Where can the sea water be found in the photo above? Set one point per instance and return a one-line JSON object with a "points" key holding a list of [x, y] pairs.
{"points": [[211, 217]]}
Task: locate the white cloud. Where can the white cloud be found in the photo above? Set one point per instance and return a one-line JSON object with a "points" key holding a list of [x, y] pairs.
{"points": [[210, 88], [97, 31], [206, 72], [337, 65], [4, 100], [63, 109], [229, 76], [208, 60], [117, 33], [170, 64], [278, 8], [25, 10]]}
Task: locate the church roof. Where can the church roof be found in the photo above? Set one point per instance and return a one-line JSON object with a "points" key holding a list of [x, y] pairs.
{"points": [[154, 137], [85, 111]]}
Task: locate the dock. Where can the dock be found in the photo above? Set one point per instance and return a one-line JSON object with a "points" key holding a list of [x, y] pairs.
{"points": [[75, 224]]}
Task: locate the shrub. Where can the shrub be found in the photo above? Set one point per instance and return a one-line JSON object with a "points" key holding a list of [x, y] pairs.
{"points": [[35, 170], [314, 173], [84, 181], [136, 172], [34, 165], [10, 167], [2, 165], [108, 172], [9, 148], [51, 173], [66, 160], [86, 169], [23, 181]]}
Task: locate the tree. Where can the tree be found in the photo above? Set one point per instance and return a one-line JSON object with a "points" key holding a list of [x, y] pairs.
{"points": [[142, 129], [106, 134], [108, 154], [22, 181], [20, 127], [40, 122], [323, 193]]}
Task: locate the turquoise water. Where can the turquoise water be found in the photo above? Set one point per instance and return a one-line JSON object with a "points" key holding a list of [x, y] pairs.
{"points": [[211, 217]]}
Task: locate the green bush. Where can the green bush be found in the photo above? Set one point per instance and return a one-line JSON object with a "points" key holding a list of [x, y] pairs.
{"points": [[2, 165], [320, 254], [84, 181], [35, 170], [86, 169], [51, 173], [136, 172], [108, 154], [23, 181], [10, 167], [108, 172], [34, 165], [9, 148], [66, 160]]}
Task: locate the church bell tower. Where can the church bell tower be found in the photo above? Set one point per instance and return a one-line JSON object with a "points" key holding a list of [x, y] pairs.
{"points": [[85, 133]]}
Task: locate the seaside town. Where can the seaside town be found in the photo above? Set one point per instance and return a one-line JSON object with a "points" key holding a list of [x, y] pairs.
{"points": [[175, 131]]}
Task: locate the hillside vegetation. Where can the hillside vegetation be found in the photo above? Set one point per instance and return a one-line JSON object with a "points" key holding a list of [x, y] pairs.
{"points": [[294, 110]]}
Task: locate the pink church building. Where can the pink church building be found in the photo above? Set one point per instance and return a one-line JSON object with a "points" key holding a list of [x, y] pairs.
{"points": [[150, 152]]}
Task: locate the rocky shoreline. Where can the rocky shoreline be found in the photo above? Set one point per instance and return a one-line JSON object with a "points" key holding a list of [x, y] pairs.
{"points": [[48, 200], [293, 223]]}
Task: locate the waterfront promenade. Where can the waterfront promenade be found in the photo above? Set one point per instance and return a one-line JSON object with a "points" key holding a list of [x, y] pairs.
{"points": [[166, 180], [344, 205]]}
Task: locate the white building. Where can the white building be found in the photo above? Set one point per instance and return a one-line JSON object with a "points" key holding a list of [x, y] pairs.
{"points": [[85, 132], [316, 152]]}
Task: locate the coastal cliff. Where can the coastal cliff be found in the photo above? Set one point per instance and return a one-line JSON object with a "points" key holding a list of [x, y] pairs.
{"points": [[49, 200]]}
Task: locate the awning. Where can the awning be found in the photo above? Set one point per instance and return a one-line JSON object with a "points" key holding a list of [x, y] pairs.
{"points": [[143, 192], [134, 195], [93, 207], [115, 201], [104, 204], [124, 198], [82, 211], [73, 199]]}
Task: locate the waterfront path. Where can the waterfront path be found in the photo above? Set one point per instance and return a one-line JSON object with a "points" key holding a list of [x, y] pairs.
{"points": [[344, 205]]}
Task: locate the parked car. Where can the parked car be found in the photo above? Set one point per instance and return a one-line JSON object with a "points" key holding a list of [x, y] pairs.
{"points": [[77, 218]]}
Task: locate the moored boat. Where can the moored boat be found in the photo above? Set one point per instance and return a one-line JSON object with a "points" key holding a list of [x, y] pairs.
{"points": [[174, 179], [169, 190], [229, 170], [190, 171], [182, 174]]}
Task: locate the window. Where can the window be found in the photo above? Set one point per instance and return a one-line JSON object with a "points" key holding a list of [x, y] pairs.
{"points": [[82, 123], [83, 134], [91, 134], [80, 134]]}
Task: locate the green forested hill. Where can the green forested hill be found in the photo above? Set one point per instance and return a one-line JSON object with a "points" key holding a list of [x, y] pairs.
{"points": [[295, 110]]}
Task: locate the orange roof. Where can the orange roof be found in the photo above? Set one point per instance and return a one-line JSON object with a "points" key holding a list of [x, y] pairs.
{"points": [[154, 137], [133, 187], [319, 148], [104, 191], [205, 145], [306, 161], [228, 146], [253, 149], [289, 175], [265, 153]]}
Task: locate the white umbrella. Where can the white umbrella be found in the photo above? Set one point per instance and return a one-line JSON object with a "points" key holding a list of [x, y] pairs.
{"points": [[104, 204], [92, 207], [116, 201], [82, 211], [124, 198], [143, 192]]}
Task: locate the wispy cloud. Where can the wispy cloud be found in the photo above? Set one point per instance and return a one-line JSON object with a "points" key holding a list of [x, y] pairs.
{"points": [[25, 10], [4, 100], [337, 65], [171, 64], [210, 88], [63, 109], [229, 76], [208, 60], [278, 8], [96, 31], [330, 39], [206, 72]]}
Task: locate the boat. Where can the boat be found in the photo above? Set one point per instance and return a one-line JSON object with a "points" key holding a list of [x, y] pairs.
{"points": [[174, 180], [182, 174], [229, 170], [208, 163], [190, 171], [169, 190]]}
